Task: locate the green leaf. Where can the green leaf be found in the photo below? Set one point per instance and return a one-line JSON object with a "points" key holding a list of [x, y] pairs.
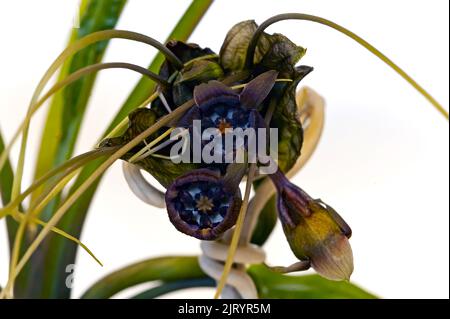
{"points": [[200, 71], [177, 273], [274, 285], [234, 47], [287, 120], [273, 52], [6, 182], [6, 177], [279, 53], [195, 72], [167, 269], [60, 134], [168, 287], [68, 106], [266, 222], [61, 252]]}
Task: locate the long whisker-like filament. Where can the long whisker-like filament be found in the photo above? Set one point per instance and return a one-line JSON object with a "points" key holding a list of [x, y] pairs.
{"points": [[46, 198], [65, 169], [70, 79], [19, 216], [152, 150], [70, 169], [70, 50], [164, 102], [121, 126], [163, 145], [150, 145], [25, 125], [203, 57], [165, 157], [30, 217], [165, 120], [237, 231], [22, 225], [301, 16]]}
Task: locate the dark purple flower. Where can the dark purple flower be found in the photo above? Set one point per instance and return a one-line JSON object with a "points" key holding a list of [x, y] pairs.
{"points": [[218, 106], [203, 204]]}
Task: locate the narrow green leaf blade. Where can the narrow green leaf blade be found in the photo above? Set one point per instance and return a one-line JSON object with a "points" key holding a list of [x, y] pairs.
{"points": [[6, 177], [266, 222], [61, 252], [69, 105], [167, 269], [6, 182], [60, 134], [177, 273], [168, 287], [277, 286]]}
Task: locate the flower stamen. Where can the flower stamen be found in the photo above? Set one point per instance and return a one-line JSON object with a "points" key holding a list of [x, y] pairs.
{"points": [[204, 204], [223, 125]]}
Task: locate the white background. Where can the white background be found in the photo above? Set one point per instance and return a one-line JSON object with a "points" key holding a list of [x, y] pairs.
{"points": [[382, 162]]}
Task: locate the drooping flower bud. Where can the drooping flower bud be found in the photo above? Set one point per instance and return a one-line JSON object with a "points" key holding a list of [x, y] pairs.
{"points": [[203, 204], [314, 230]]}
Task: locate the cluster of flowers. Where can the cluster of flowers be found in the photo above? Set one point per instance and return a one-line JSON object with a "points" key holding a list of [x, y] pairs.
{"points": [[203, 200]]}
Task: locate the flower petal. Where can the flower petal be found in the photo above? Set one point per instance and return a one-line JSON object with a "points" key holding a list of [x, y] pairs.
{"points": [[213, 92], [257, 90], [191, 115], [334, 259]]}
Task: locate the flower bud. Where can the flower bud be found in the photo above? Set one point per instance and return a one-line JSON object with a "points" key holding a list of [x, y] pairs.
{"points": [[314, 230]]}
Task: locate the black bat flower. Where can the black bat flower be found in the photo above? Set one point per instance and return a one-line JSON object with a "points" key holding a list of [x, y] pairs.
{"points": [[219, 107], [203, 204]]}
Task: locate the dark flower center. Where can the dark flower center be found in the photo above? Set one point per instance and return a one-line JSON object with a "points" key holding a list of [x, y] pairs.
{"points": [[202, 204], [223, 125], [223, 116]]}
